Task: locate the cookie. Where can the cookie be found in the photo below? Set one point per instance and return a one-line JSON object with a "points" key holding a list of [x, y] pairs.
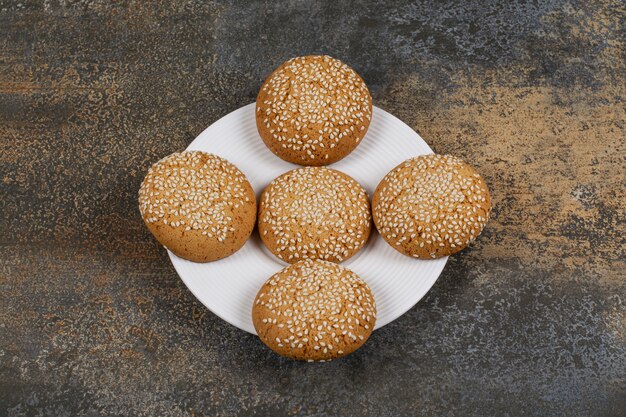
{"points": [[431, 206], [314, 212], [314, 310], [198, 205], [313, 110]]}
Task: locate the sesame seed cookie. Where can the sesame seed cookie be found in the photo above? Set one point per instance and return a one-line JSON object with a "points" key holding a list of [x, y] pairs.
{"points": [[313, 110], [198, 205], [314, 212], [314, 310], [431, 206]]}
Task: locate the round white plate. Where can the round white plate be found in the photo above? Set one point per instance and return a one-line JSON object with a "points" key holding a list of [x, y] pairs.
{"points": [[227, 287]]}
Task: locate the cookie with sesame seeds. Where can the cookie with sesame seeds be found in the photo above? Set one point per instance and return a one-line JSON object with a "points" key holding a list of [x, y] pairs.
{"points": [[431, 206], [313, 110], [314, 310], [198, 205], [314, 212]]}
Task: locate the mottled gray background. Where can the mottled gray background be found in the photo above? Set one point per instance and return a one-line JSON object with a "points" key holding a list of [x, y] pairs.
{"points": [[529, 321]]}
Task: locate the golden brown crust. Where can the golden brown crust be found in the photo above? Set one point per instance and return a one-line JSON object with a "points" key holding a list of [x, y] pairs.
{"points": [[198, 205], [313, 110], [314, 212], [431, 206], [314, 310]]}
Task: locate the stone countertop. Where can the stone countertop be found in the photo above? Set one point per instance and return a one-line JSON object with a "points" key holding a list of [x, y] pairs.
{"points": [[528, 321]]}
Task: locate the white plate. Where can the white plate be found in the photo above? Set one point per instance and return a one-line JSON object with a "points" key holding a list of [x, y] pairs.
{"points": [[228, 287]]}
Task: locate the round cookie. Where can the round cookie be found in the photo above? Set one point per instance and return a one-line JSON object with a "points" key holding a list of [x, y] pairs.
{"points": [[314, 310], [314, 212], [313, 110], [431, 206], [198, 205]]}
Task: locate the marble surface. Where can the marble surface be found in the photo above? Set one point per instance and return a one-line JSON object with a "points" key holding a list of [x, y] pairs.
{"points": [[528, 321]]}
